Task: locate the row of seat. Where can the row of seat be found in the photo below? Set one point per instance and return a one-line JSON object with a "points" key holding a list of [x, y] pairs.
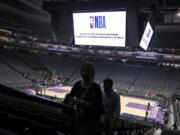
{"points": [[177, 114], [136, 79]]}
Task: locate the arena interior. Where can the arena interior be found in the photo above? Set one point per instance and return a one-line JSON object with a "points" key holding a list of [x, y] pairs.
{"points": [[43, 44]]}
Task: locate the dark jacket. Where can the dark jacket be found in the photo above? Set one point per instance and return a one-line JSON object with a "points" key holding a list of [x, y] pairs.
{"points": [[92, 95]]}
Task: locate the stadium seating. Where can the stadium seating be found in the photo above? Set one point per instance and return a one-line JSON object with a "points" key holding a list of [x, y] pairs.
{"points": [[21, 67], [6, 132], [174, 80], [130, 127], [176, 106], [135, 79], [104, 69], [10, 77], [124, 76], [30, 115], [170, 132]]}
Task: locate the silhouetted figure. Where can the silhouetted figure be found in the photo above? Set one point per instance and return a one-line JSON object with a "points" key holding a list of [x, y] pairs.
{"points": [[146, 115], [148, 107], [86, 96], [111, 101], [175, 125]]}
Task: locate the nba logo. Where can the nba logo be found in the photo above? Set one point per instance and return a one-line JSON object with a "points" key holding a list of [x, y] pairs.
{"points": [[97, 22], [92, 22]]}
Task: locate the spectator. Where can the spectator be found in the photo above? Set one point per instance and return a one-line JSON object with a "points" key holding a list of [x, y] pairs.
{"points": [[91, 107], [111, 101]]}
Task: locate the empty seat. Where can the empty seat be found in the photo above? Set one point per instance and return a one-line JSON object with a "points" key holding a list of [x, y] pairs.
{"points": [[6, 132]]}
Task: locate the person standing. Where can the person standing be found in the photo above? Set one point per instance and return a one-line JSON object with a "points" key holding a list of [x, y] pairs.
{"points": [[89, 97], [111, 102]]}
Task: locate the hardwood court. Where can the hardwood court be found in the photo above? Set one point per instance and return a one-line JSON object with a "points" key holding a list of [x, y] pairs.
{"points": [[133, 111], [61, 91], [57, 91]]}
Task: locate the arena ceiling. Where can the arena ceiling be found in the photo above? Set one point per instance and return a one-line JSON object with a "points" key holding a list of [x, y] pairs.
{"points": [[171, 3]]}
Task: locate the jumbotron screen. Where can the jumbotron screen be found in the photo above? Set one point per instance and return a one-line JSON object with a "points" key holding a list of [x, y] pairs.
{"points": [[100, 28]]}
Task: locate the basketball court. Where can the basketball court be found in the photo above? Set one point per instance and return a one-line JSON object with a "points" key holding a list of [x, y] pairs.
{"points": [[135, 106], [131, 106], [58, 91]]}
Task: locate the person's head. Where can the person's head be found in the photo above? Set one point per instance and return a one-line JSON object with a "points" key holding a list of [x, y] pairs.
{"points": [[87, 72], [107, 84]]}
